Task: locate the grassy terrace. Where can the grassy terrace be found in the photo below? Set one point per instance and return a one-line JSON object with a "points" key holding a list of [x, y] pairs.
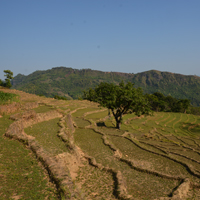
{"points": [[46, 135], [43, 109], [163, 143], [153, 154], [21, 175]]}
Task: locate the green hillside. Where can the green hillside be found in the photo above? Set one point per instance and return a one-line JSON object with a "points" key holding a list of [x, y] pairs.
{"points": [[176, 85], [70, 82]]}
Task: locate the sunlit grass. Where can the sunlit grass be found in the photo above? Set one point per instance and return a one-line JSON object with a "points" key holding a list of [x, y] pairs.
{"points": [[21, 176], [164, 142], [45, 134], [81, 112], [96, 116], [81, 123], [43, 109]]}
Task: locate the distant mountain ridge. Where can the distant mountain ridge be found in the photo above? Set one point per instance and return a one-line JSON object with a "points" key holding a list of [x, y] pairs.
{"points": [[70, 82]]}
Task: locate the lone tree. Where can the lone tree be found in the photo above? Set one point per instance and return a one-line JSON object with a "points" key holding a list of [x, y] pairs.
{"points": [[120, 99], [9, 76]]}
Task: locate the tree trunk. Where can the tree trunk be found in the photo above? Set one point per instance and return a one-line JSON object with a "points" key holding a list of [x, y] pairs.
{"points": [[118, 119], [118, 124]]}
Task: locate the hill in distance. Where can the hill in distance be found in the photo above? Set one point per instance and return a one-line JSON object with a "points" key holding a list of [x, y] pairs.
{"points": [[70, 82]]}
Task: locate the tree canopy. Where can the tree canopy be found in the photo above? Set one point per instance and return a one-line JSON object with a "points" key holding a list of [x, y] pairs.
{"points": [[120, 99], [7, 82], [159, 102]]}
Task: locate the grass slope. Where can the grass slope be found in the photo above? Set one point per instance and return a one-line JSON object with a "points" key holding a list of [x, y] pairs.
{"points": [[21, 175], [149, 158]]}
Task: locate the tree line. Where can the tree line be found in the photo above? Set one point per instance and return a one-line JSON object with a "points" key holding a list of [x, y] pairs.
{"points": [[159, 102]]}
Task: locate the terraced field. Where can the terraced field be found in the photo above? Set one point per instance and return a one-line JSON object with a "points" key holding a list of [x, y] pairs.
{"points": [[151, 157]]}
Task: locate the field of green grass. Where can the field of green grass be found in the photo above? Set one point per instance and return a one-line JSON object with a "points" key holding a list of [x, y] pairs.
{"points": [[149, 158]]}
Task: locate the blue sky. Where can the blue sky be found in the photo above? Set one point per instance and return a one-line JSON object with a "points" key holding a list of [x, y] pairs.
{"points": [[108, 35]]}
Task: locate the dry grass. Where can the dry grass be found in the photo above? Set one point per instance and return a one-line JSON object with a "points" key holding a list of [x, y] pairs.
{"points": [[45, 134], [149, 158]]}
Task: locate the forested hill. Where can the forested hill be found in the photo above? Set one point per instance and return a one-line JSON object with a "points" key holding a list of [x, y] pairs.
{"points": [[70, 82]]}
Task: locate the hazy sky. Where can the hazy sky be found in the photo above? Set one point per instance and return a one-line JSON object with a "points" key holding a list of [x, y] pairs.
{"points": [[108, 35]]}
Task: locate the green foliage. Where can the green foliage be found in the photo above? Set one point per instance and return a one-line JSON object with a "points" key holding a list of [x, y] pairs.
{"points": [[7, 98], [120, 99], [80, 98], [1, 82], [40, 95], [71, 82], [9, 76], [170, 84], [194, 110], [60, 97], [159, 102], [7, 82]]}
